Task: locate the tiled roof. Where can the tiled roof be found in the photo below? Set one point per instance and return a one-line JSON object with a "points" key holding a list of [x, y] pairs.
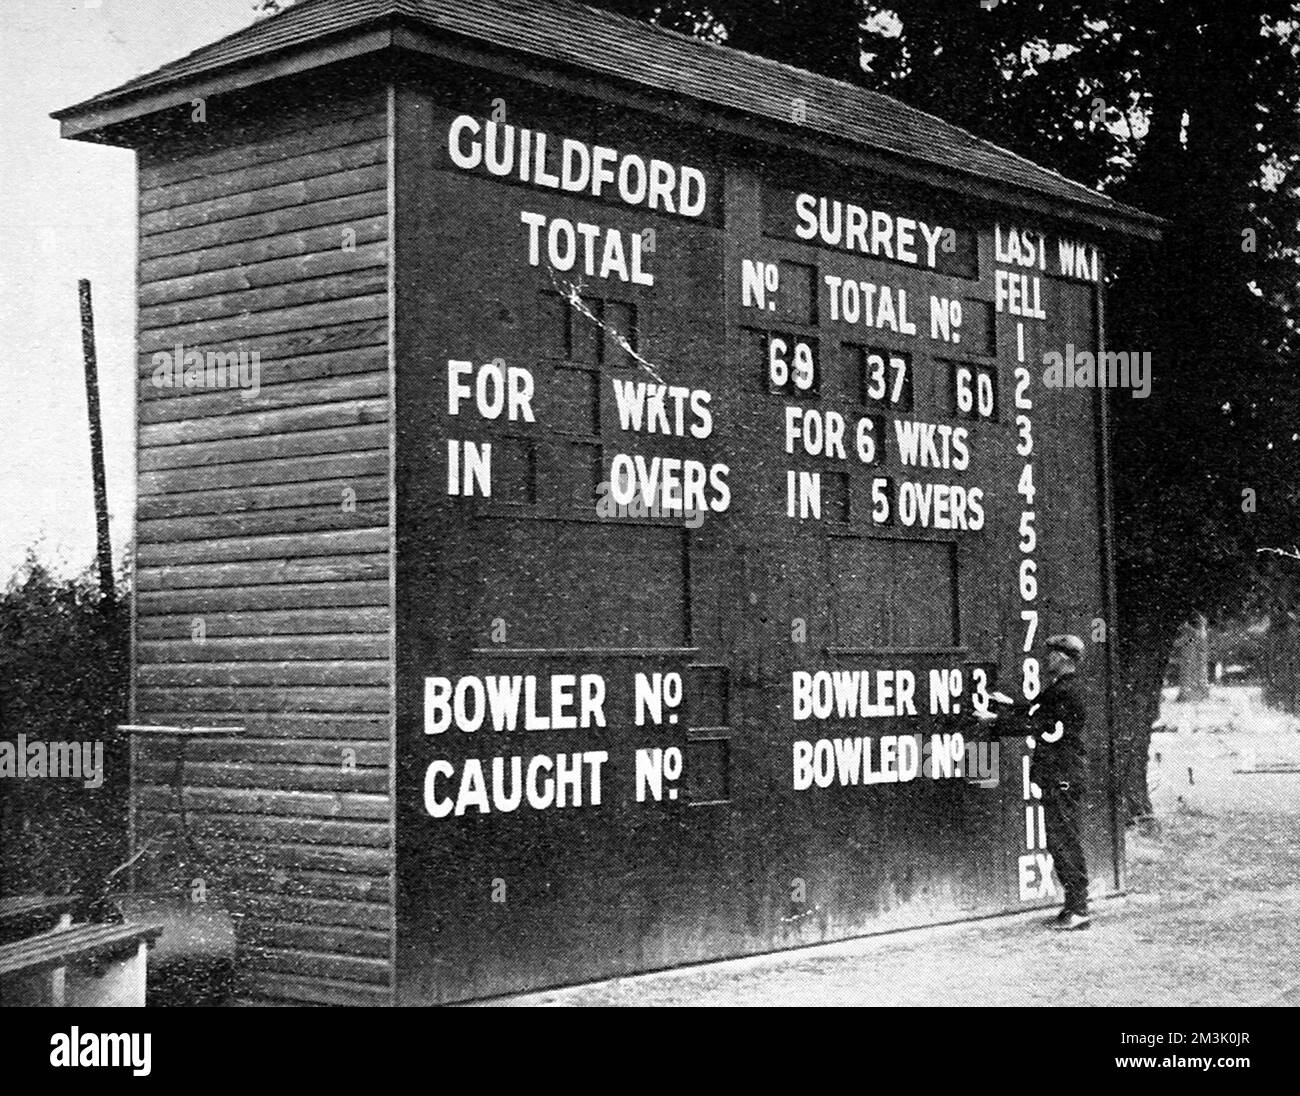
{"points": [[614, 47]]}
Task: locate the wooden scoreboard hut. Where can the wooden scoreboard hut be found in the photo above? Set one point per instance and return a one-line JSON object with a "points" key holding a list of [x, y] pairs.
{"points": [[600, 471]]}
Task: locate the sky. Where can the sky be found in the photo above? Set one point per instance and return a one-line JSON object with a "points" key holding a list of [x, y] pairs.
{"points": [[67, 211]]}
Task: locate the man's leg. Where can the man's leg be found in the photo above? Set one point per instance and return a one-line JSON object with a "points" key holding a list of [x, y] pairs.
{"points": [[1063, 808]]}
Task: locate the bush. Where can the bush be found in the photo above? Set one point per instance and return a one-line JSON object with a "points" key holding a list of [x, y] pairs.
{"points": [[64, 677]]}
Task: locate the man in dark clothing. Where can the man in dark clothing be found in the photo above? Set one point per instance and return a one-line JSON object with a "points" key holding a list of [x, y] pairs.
{"points": [[1059, 767]]}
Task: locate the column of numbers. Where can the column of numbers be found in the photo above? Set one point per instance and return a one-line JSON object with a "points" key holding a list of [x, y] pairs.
{"points": [[1031, 865]]}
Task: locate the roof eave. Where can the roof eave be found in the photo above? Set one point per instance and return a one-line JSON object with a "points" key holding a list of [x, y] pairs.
{"points": [[87, 121]]}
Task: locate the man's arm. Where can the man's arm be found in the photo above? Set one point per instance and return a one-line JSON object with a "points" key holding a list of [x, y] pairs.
{"points": [[1036, 717], [1005, 719]]}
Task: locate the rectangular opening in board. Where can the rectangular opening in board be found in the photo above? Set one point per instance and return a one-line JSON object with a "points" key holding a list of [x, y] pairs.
{"points": [[587, 475], [584, 585], [515, 473], [599, 331], [707, 778], [575, 401], [895, 593], [710, 696]]}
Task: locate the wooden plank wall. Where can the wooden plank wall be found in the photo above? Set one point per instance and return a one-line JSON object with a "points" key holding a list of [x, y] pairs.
{"points": [[263, 537]]}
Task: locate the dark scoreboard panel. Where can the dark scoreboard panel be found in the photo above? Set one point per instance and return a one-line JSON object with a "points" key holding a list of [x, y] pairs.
{"points": [[727, 485]]}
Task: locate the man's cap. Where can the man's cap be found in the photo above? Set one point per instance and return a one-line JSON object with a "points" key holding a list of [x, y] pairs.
{"points": [[1067, 645]]}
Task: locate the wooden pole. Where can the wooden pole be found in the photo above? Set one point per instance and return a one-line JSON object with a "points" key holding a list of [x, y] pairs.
{"points": [[105, 550]]}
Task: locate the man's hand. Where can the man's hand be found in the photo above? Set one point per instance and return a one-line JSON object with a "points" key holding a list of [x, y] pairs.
{"points": [[980, 704]]}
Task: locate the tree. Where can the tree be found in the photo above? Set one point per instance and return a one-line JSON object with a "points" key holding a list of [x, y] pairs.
{"points": [[822, 35], [1214, 437]]}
